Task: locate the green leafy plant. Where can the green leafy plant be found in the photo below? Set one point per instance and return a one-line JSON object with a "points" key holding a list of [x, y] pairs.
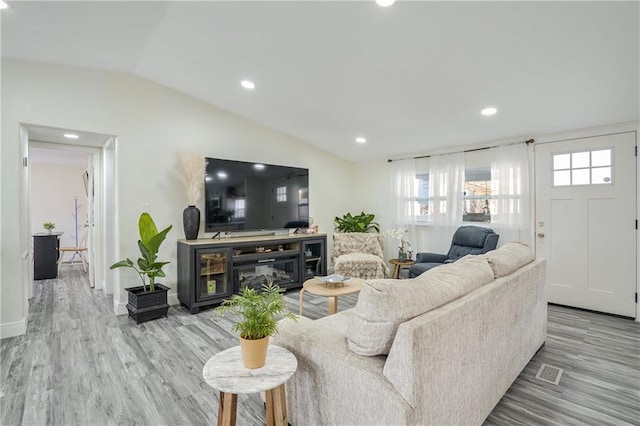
{"points": [[149, 244], [48, 225], [259, 311], [362, 222]]}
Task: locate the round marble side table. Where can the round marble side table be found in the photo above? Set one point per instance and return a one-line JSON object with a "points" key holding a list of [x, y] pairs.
{"points": [[225, 372]]}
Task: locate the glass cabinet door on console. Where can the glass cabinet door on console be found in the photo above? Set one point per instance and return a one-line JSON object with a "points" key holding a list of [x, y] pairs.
{"points": [[312, 259], [213, 280]]}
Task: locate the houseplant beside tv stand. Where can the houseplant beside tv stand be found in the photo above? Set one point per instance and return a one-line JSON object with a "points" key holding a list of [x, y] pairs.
{"points": [[210, 271]]}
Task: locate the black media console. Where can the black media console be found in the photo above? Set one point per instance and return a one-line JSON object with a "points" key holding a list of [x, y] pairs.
{"points": [[210, 271]]}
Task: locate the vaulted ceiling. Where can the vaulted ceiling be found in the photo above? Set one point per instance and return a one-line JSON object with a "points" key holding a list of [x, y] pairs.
{"points": [[410, 78]]}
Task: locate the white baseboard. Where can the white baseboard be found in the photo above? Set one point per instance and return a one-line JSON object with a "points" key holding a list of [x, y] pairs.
{"points": [[172, 299], [13, 329], [120, 308]]}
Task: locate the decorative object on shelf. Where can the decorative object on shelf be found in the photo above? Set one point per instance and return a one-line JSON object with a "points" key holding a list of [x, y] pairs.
{"points": [[49, 227], [404, 249], [211, 286], [259, 315], [191, 222], [359, 223], [193, 168], [147, 302]]}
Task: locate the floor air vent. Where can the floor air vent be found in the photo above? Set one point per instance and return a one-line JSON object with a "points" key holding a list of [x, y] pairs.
{"points": [[550, 374]]}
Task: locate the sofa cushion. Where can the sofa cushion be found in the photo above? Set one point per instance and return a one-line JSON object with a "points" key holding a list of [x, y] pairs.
{"points": [[509, 258], [384, 304]]}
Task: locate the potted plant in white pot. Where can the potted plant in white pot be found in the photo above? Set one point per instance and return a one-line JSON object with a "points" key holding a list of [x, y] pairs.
{"points": [[259, 313], [49, 227], [147, 302]]}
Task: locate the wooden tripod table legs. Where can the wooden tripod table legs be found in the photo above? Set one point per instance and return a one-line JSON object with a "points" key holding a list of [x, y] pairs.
{"points": [[275, 401], [227, 408], [276, 406]]}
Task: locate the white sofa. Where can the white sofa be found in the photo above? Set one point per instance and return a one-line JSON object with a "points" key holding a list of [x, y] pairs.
{"points": [[483, 318]]}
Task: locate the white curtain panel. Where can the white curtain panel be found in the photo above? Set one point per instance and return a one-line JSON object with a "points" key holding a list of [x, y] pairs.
{"points": [[511, 184], [446, 183], [404, 191]]}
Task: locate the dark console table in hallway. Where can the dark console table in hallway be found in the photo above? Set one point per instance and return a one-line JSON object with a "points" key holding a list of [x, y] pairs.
{"points": [[45, 255]]}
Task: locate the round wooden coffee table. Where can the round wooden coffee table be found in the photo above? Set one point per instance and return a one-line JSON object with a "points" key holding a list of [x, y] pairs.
{"points": [[319, 288]]}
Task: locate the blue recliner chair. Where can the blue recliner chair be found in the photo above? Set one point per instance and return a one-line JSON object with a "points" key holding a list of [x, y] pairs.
{"points": [[466, 240]]}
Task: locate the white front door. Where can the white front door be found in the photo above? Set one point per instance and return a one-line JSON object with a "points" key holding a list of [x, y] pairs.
{"points": [[586, 221]]}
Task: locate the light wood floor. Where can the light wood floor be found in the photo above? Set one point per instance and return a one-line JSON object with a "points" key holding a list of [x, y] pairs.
{"points": [[78, 364]]}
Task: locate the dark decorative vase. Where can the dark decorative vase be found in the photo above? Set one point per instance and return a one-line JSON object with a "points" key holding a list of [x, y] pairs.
{"points": [[191, 222]]}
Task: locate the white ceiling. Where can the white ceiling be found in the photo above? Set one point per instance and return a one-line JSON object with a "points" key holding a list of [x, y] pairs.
{"points": [[48, 145], [55, 135], [411, 78], [58, 157]]}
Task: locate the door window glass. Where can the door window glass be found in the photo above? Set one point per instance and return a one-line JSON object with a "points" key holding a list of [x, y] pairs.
{"points": [[583, 168]]}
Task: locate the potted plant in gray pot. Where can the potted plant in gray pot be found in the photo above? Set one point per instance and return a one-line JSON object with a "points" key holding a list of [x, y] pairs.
{"points": [[147, 302]]}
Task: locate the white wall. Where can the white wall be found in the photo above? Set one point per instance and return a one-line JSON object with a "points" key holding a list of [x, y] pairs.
{"points": [[152, 124], [53, 189]]}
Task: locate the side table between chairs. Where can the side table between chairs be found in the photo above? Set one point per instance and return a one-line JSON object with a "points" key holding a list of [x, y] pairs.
{"points": [[225, 372], [399, 264]]}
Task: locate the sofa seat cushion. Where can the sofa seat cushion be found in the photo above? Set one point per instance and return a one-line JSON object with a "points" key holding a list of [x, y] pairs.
{"points": [[385, 304], [338, 322], [509, 258], [361, 265]]}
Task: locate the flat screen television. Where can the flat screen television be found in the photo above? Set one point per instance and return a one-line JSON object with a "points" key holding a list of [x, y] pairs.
{"points": [[244, 196]]}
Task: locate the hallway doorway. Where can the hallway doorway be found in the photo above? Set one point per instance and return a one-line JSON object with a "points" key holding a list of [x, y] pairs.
{"points": [[70, 173]]}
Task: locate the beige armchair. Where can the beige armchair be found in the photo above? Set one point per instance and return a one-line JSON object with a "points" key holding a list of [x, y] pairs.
{"points": [[359, 255]]}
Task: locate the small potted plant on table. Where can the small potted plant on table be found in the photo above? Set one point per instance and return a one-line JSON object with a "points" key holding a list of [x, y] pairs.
{"points": [[147, 302], [259, 315], [49, 227]]}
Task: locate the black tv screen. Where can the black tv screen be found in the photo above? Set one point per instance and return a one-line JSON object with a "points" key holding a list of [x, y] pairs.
{"points": [[244, 196]]}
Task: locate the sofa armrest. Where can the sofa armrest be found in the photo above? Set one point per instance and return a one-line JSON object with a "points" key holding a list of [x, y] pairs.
{"points": [[430, 258], [329, 374], [454, 363]]}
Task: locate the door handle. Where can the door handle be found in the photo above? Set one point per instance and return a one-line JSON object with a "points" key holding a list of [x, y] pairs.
{"points": [[540, 234], [266, 260]]}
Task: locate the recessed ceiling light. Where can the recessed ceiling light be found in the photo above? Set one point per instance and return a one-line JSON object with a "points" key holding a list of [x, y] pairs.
{"points": [[3, 5], [71, 136], [488, 111], [385, 3], [361, 140], [248, 84], [258, 166]]}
